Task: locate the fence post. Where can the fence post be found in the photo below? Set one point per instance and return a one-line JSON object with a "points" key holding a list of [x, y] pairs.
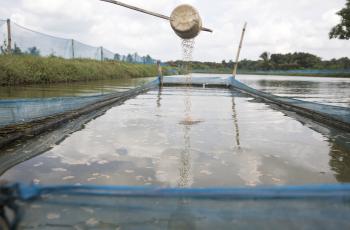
{"points": [[239, 51], [73, 54], [9, 37], [101, 53]]}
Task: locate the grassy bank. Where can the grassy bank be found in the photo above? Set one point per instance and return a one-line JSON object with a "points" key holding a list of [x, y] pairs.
{"points": [[25, 69]]}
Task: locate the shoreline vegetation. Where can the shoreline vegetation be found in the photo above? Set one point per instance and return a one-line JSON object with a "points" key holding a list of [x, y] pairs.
{"points": [[290, 64], [28, 69], [275, 73]]}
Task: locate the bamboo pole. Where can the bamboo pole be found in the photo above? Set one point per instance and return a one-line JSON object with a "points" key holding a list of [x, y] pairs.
{"points": [[239, 50], [9, 37], [101, 53], [146, 12]]}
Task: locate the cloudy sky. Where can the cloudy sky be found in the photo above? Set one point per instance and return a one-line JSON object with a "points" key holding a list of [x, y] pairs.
{"points": [[273, 25]]}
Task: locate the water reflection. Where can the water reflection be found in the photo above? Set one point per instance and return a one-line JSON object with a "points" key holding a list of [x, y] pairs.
{"points": [[159, 97], [340, 157], [88, 88], [235, 122]]}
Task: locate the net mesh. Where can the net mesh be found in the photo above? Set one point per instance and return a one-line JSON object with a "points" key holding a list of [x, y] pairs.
{"points": [[27, 41], [82, 50], [107, 55], [3, 33], [314, 207], [17, 111]]}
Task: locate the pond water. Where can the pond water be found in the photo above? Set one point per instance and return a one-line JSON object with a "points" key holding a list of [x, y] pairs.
{"points": [[192, 137], [324, 90], [88, 88]]}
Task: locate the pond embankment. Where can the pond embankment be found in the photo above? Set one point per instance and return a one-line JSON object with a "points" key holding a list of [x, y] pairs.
{"points": [[25, 69]]}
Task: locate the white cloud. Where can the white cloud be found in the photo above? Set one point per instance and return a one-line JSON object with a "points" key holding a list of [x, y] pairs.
{"points": [[273, 25]]}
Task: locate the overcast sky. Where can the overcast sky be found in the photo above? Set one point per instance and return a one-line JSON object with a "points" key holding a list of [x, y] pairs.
{"points": [[273, 25]]}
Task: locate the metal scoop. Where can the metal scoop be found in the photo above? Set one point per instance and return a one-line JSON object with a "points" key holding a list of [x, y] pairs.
{"points": [[185, 19]]}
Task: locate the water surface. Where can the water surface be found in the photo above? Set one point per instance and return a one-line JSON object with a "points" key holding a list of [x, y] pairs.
{"points": [[324, 90], [192, 138], [71, 89]]}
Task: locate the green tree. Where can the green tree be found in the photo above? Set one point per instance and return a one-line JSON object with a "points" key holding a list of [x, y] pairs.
{"points": [[265, 65], [129, 58], [306, 60], [17, 50], [34, 51], [265, 56], [117, 57], [148, 59], [342, 30]]}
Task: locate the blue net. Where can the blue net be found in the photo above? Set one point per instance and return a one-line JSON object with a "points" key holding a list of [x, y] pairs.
{"points": [[19, 111], [311, 109], [108, 207]]}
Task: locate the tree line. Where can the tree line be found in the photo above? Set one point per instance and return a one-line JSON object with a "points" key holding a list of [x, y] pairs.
{"points": [[268, 62]]}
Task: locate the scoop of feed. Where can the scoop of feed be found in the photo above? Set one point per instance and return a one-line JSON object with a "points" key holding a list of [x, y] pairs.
{"points": [[186, 21]]}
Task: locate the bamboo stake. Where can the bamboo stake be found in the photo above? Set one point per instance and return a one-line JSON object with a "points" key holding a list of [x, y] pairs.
{"points": [[239, 50], [9, 37]]}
